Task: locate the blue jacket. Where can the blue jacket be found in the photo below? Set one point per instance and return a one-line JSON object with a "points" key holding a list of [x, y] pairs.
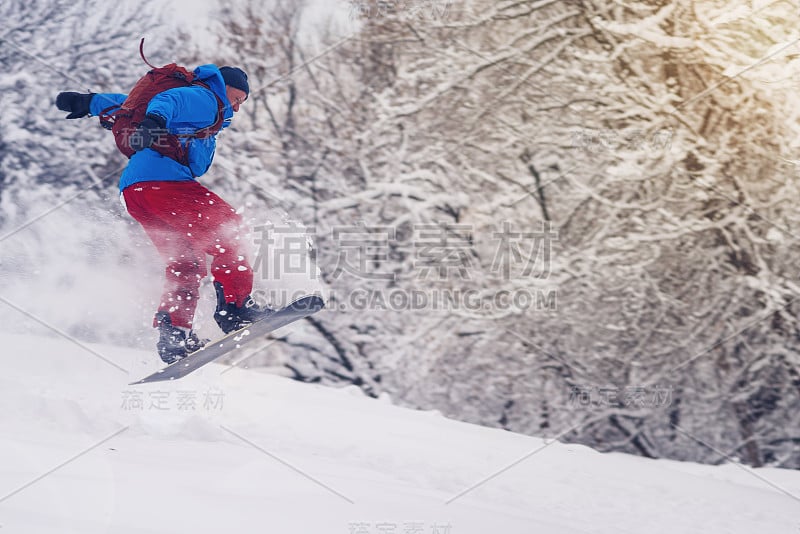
{"points": [[185, 110]]}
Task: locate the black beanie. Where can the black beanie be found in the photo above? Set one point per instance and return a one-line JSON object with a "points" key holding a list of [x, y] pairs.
{"points": [[235, 77]]}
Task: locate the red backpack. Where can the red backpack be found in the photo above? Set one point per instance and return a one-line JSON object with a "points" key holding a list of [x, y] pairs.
{"points": [[123, 120]]}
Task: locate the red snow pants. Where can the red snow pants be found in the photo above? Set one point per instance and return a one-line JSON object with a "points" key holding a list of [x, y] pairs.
{"points": [[185, 221]]}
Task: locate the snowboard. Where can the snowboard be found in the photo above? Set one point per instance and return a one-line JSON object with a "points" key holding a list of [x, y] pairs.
{"points": [[298, 309]]}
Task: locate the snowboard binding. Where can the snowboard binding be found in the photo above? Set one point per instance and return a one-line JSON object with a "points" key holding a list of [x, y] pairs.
{"points": [[231, 317], [174, 343]]}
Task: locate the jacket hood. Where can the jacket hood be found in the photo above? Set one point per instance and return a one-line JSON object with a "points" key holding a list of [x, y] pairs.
{"points": [[210, 75]]}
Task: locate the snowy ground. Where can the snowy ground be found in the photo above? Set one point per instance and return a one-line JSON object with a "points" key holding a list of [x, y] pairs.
{"points": [[234, 450]]}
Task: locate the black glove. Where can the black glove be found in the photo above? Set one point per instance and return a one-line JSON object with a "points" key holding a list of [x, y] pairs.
{"points": [[148, 133], [76, 103]]}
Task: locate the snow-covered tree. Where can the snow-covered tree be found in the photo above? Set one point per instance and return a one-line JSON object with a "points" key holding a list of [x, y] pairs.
{"points": [[627, 131], [665, 176]]}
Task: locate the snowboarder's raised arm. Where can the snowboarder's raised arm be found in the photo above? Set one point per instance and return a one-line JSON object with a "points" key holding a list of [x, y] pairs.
{"points": [[82, 104]]}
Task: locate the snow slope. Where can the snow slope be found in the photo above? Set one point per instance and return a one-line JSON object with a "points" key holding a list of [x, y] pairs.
{"points": [[233, 450]]}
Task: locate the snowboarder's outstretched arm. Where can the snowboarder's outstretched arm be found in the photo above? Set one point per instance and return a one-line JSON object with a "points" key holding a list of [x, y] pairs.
{"points": [[101, 101], [82, 104]]}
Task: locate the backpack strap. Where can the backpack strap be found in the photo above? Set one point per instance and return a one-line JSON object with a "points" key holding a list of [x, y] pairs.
{"points": [[214, 128], [106, 116]]}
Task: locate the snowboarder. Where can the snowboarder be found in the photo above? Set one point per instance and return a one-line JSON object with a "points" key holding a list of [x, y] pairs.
{"points": [[184, 220]]}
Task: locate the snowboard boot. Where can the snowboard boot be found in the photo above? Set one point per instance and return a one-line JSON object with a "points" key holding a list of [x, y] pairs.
{"points": [[174, 342], [231, 317]]}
